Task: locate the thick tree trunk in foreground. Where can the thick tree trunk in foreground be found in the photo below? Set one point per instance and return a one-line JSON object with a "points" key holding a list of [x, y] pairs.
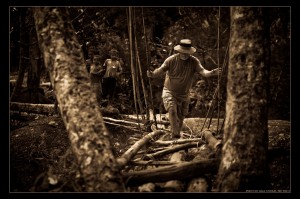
{"points": [[89, 137], [244, 154]]}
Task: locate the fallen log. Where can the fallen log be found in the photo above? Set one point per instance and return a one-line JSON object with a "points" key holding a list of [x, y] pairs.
{"points": [[179, 171], [44, 109], [121, 121], [172, 185], [123, 126], [213, 143], [152, 150], [134, 118], [27, 116], [179, 141], [126, 157], [50, 109], [151, 162], [23, 116], [161, 153]]}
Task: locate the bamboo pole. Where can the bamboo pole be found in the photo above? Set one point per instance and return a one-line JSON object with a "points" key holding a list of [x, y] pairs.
{"points": [[131, 62], [142, 79], [149, 79]]}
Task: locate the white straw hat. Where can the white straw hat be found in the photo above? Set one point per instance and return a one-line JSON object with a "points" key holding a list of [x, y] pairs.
{"points": [[185, 46]]}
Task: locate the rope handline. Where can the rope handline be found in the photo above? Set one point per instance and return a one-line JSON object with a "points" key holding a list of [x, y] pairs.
{"points": [[149, 80], [214, 95], [211, 113], [223, 66]]}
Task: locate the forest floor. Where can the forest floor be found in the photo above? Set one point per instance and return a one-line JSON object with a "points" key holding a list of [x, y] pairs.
{"points": [[40, 143]]}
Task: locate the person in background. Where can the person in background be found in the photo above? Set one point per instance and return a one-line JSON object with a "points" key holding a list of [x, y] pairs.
{"points": [[96, 73], [180, 69], [113, 69]]}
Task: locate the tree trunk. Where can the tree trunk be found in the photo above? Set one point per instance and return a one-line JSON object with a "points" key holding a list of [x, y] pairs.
{"points": [[244, 154], [23, 53], [35, 66], [90, 139]]}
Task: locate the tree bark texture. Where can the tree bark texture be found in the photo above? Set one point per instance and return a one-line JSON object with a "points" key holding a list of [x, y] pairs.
{"points": [[89, 137], [35, 62], [244, 154]]}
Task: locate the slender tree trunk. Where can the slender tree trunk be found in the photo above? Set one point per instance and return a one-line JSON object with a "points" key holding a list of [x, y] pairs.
{"points": [[244, 154], [35, 66], [132, 66], [89, 137], [22, 53]]}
